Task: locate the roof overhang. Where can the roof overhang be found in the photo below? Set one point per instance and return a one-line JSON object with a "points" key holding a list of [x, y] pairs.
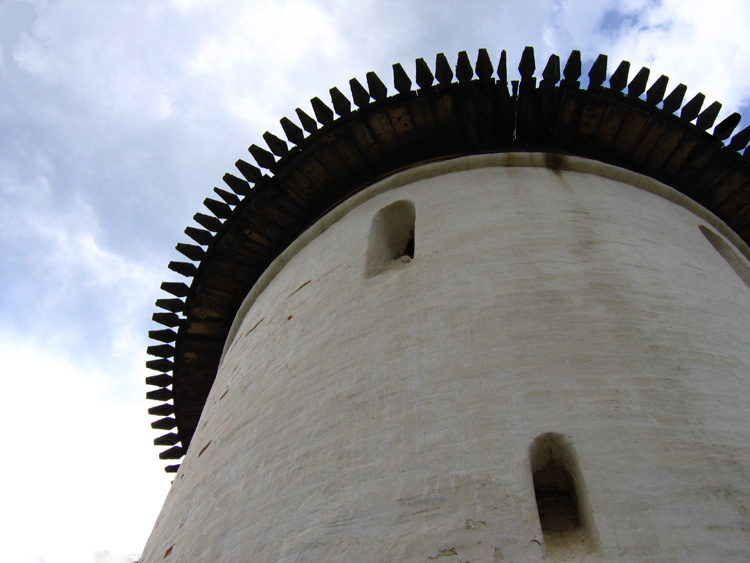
{"points": [[345, 149]]}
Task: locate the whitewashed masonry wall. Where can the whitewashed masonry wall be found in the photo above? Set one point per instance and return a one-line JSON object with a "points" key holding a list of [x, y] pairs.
{"points": [[391, 417]]}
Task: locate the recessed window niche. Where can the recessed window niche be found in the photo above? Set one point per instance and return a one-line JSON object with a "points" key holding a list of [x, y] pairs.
{"points": [[564, 515], [729, 253], [391, 237]]}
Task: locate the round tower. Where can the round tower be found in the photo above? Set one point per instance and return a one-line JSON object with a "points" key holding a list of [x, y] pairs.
{"points": [[467, 321]]}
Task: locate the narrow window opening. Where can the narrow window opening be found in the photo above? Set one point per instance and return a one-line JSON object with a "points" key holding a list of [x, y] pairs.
{"points": [[729, 253], [565, 521], [556, 498], [391, 237]]}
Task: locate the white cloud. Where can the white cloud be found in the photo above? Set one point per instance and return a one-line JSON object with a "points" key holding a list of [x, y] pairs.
{"points": [[704, 48], [79, 468], [699, 46], [85, 477], [110, 55], [71, 268], [260, 58]]}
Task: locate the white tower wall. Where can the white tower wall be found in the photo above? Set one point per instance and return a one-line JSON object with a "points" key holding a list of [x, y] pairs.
{"points": [[391, 417]]}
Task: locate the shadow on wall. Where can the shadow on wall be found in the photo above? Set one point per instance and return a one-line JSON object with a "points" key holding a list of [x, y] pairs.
{"points": [[729, 253]]}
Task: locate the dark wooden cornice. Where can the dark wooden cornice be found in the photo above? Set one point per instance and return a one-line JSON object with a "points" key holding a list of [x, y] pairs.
{"points": [[447, 112]]}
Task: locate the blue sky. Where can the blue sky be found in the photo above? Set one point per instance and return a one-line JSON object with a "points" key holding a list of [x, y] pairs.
{"points": [[117, 120]]}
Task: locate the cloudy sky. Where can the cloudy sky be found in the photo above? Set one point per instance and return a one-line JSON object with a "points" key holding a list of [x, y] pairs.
{"points": [[116, 120]]}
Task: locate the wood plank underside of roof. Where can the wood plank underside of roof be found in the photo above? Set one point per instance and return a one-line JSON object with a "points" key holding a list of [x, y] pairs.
{"points": [[365, 145]]}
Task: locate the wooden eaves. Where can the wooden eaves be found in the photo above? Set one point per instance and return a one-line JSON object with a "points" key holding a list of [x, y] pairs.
{"points": [[449, 112]]}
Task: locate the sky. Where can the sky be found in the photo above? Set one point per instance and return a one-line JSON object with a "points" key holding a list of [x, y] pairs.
{"points": [[118, 118]]}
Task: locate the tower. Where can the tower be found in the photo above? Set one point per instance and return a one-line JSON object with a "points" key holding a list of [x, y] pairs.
{"points": [[467, 322]]}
